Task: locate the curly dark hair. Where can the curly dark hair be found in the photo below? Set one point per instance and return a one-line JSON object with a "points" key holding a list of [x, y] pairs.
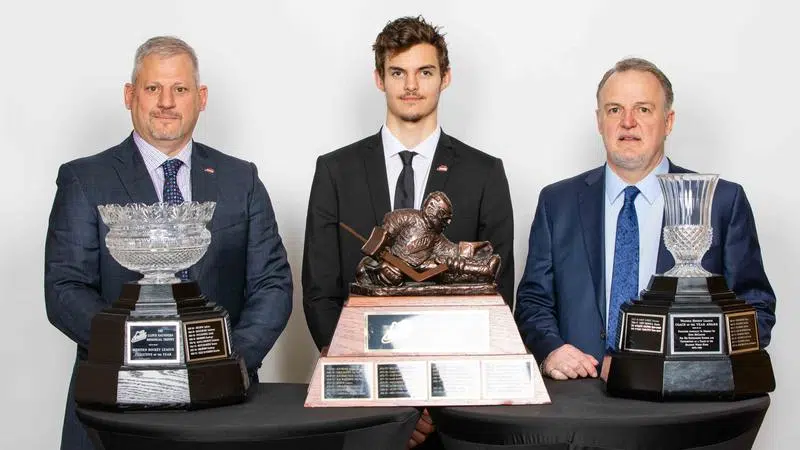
{"points": [[401, 34]]}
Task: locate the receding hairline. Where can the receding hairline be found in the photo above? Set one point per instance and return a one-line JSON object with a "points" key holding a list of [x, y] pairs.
{"points": [[164, 47], [639, 65]]}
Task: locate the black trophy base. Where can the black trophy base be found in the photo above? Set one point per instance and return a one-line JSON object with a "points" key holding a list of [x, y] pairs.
{"points": [[161, 346], [688, 338], [192, 386], [664, 378]]}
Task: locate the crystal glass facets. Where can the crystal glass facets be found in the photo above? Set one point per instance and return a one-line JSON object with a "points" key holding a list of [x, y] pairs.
{"points": [[158, 240], [687, 220]]}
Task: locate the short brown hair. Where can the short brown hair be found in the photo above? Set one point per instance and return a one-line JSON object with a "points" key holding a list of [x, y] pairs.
{"points": [[641, 65], [401, 34]]}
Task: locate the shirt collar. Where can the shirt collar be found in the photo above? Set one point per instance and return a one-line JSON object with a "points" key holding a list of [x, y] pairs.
{"points": [[392, 146], [648, 186], [154, 158]]}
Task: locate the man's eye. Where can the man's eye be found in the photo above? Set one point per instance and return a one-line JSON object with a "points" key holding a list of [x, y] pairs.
{"points": [[613, 110], [181, 89], [396, 74], [150, 88], [427, 73], [644, 109]]}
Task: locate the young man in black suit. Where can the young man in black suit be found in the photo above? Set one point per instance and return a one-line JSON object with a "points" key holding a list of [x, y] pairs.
{"points": [[396, 168]]}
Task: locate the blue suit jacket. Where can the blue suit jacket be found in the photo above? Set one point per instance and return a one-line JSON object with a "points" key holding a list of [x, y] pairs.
{"points": [[245, 269], [561, 297]]}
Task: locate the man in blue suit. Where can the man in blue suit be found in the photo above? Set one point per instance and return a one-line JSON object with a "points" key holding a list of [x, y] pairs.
{"points": [[245, 269], [578, 270]]}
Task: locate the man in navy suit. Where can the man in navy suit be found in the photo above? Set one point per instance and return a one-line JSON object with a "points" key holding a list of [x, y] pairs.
{"points": [[565, 298], [245, 269]]}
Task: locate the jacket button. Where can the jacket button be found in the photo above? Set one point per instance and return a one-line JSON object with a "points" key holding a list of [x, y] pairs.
{"points": [[603, 335]]}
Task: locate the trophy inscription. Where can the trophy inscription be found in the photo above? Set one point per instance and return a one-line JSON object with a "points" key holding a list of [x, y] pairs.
{"points": [[456, 379], [507, 378], [421, 331], [347, 381], [643, 332], [206, 339], [711, 348], [402, 379], [152, 342], [742, 331], [696, 334]]}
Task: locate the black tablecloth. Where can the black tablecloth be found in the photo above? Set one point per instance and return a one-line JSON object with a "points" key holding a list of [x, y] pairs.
{"points": [[582, 416], [273, 417]]}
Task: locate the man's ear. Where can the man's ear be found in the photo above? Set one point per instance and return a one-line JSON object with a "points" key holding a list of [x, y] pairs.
{"points": [[379, 80]]}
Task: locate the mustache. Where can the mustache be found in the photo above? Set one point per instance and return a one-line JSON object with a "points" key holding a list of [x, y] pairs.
{"points": [[165, 115]]}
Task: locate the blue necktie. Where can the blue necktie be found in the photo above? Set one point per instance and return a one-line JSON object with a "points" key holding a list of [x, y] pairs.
{"points": [[172, 193], [625, 277], [404, 190]]}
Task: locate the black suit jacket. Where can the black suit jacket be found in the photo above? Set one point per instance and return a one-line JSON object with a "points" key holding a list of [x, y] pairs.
{"points": [[245, 269], [350, 186], [561, 297]]}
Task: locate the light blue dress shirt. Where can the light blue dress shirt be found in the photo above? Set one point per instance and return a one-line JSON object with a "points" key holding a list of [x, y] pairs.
{"points": [[649, 213], [154, 158]]}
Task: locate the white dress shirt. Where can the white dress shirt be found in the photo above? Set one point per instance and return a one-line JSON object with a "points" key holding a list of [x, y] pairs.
{"points": [[649, 213], [154, 158], [421, 162]]}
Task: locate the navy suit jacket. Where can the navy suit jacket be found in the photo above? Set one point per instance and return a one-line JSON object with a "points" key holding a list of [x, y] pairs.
{"points": [[350, 186], [245, 269], [561, 297]]}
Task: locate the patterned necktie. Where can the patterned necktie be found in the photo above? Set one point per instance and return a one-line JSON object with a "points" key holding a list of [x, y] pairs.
{"points": [[404, 191], [172, 193], [625, 277]]}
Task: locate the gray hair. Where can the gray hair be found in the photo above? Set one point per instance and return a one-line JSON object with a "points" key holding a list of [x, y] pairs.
{"points": [[641, 65], [164, 46]]}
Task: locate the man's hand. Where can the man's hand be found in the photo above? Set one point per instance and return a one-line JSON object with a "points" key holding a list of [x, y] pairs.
{"points": [[424, 428], [567, 362]]}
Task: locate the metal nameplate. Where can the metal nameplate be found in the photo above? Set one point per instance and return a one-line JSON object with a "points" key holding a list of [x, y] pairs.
{"points": [[347, 381], [402, 380], [455, 379], [507, 379], [696, 334], [644, 333], [428, 332], [152, 342], [206, 339], [742, 329]]}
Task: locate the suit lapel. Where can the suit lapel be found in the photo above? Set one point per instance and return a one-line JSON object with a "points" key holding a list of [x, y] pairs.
{"points": [[442, 157], [133, 174], [375, 169], [591, 206], [665, 260], [204, 189]]}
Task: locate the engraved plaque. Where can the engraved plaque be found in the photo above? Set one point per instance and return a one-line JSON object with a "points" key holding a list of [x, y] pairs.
{"points": [[429, 332], [644, 333], [507, 378], [152, 342], [696, 334], [403, 379], [347, 381], [742, 331], [206, 339], [455, 379]]}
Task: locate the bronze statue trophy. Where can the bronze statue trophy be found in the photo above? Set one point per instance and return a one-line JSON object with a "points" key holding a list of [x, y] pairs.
{"points": [[687, 336], [424, 325]]}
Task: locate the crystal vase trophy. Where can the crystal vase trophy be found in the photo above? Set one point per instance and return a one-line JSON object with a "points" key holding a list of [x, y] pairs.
{"points": [[687, 336], [162, 344]]}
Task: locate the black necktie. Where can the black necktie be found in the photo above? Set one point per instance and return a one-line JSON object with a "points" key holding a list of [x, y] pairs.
{"points": [[404, 192]]}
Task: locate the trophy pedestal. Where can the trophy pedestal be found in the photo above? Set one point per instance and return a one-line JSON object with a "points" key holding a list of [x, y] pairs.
{"points": [[161, 346], [426, 351], [689, 338]]}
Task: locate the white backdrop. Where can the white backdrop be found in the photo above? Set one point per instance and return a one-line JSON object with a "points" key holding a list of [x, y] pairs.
{"points": [[290, 80]]}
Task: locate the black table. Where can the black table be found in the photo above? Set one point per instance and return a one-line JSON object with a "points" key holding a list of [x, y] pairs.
{"points": [[273, 417], [582, 416]]}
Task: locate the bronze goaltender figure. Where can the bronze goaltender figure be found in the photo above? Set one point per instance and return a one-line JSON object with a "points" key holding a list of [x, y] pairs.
{"points": [[409, 255]]}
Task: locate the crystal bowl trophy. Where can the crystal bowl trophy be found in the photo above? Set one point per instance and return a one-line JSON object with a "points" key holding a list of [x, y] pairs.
{"points": [[162, 344], [424, 325], [687, 336]]}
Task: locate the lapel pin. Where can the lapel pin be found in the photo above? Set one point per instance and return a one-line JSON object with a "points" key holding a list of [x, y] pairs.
{"points": [[441, 168], [208, 170]]}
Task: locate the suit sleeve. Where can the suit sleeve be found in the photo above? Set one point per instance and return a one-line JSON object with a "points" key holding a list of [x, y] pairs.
{"points": [[497, 227], [536, 298], [268, 296], [744, 269], [72, 260], [323, 291]]}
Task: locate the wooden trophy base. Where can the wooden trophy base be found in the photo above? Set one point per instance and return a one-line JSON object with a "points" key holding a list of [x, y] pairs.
{"points": [[161, 347], [426, 351]]}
